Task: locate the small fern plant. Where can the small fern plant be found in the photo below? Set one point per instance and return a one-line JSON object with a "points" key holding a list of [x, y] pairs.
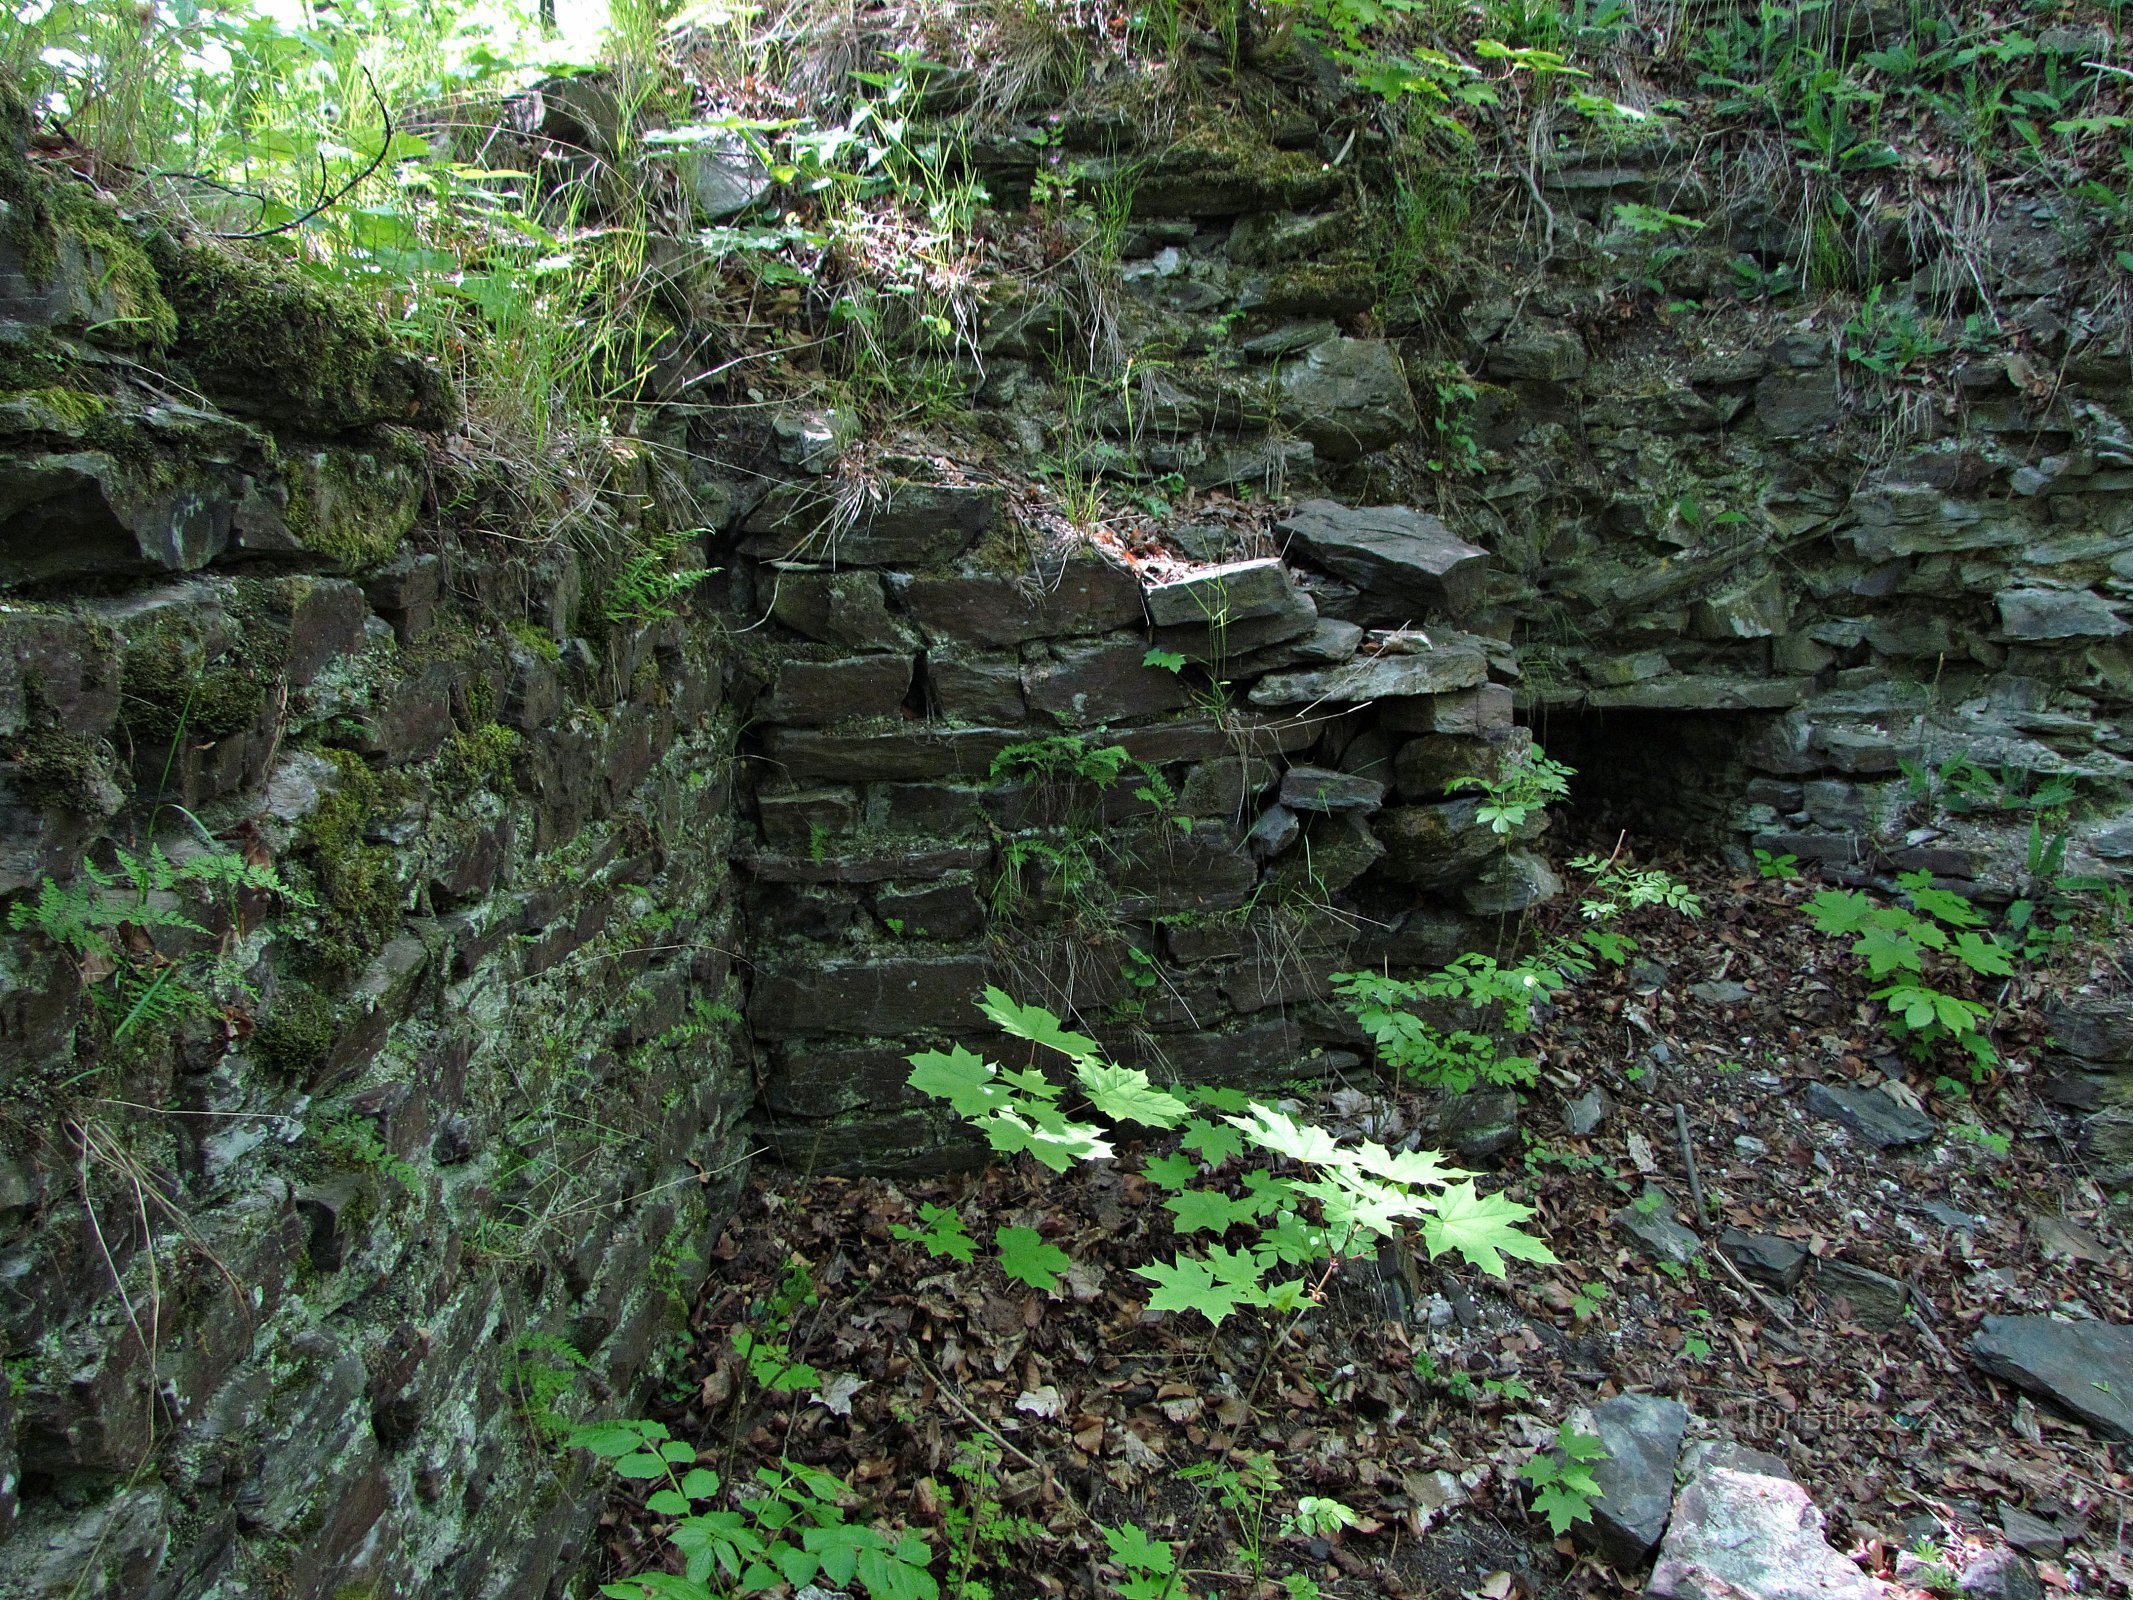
{"points": [[647, 586], [107, 919]]}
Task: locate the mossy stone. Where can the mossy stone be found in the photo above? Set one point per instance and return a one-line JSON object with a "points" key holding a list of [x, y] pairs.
{"points": [[268, 340], [356, 506], [177, 680], [67, 257], [298, 1030]]}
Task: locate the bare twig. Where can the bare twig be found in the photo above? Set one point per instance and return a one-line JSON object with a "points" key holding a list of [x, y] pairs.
{"points": [[326, 202], [1688, 1160]]}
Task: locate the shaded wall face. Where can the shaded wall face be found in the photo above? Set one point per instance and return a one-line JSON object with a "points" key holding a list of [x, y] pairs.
{"points": [[567, 897], [326, 1197]]}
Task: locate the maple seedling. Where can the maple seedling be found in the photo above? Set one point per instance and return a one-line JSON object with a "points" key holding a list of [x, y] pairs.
{"points": [[1564, 1489]]}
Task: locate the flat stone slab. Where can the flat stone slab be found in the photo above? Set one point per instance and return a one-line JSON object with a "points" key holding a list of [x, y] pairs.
{"points": [[1643, 1434], [1650, 1221], [1703, 691], [1455, 662], [1877, 1300], [1402, 559], [994, 609], [1222, 595], [1876, 1118], [1322, 789], [911, 525], [2085, 1368], [1764, 1257], [1747, 1536]]}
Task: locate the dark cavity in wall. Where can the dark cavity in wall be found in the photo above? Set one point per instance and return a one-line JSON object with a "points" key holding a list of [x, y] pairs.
{"points": [[1662, 775]]}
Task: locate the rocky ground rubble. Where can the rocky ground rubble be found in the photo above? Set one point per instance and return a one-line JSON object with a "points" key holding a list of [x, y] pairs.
{"points": [[1875, 1342]]}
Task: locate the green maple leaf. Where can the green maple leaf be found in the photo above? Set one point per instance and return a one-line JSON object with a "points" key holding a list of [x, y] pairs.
{"points": [[1885, 952], [1562, 1507], [1173, 1171], [1265, 1193], [1025, 1255], [1189, 1285], [1295, 1241], [1046, 1135], [1198, 1209], [1124, 1094], [1133, 1549], [1216, 1098], [1031, 1082], [1405, 1166], [1284, 1136], [1482, 1228], [1037, 1025], [1943, 905], [1350, 1202], [942, 1233], [1215, 1141], [1982, 953], [1241, 1269], [959, 1077], [1839, 910]]}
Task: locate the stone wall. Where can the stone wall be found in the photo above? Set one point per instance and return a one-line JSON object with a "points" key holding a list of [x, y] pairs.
{"points": [[295, 1282], [1168, 804], [296, 1279], [1738, 530]]}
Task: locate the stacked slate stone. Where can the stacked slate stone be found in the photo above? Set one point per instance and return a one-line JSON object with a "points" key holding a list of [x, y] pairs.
{"points": [[1283, 809], [293, 1280], [1758, 588]]}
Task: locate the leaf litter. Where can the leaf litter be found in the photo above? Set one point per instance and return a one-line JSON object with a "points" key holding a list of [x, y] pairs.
{"points": [[1416, 1392]]}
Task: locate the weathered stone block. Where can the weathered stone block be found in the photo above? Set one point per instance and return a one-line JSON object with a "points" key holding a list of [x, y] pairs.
{"points": [[1225, 786], [1102, 682], [1221, 595], [804, 754], [816, 1079], [1332, 852], [1426, 768], [809, 693], [885, 997], [950, 909], [801, 817], [937, 810], [2096, 1028], [1348, 397], [1453, 661], [912, 524], [56, 669], [1537, 354], [2033, 614], [1753, 610], [988, 692], [1167, 873], [1708, 691], [1080, 596], [848, 609], [1321, 789], [1407, 563], [878, 862], [1483, 711], [1434, 847]]}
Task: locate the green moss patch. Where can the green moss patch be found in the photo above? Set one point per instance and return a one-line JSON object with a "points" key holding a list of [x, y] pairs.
{"points": [[180, 680], [298, 1031], [357, 882], [356, 506], [266, 338]]}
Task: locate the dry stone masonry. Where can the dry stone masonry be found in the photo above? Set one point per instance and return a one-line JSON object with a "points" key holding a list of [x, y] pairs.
{"points": [[296, 1285]]}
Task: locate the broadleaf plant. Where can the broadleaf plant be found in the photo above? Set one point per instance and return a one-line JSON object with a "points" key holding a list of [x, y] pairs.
{"points": [[1285, 1228]]}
